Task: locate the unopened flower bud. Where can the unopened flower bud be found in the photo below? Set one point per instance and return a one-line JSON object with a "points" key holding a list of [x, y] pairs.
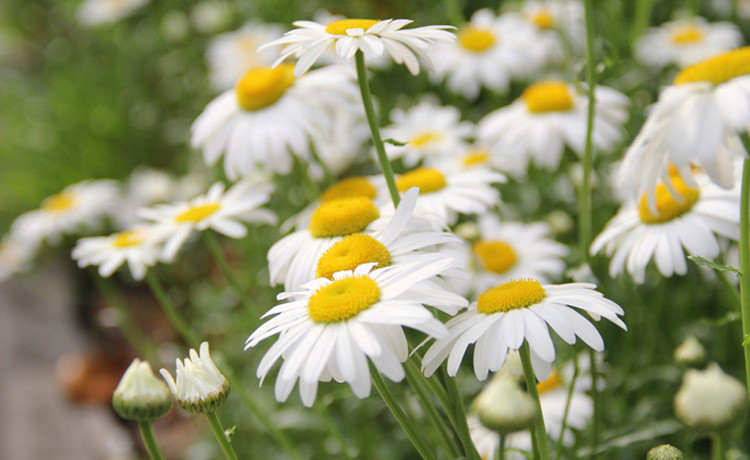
{"points": [[710, 400], [665, 452], [140, 395], [690, 352], [503, 407], [198, 385]]}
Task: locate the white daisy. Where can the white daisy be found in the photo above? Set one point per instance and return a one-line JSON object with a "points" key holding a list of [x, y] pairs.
{"points": [[490, 52], [330, 328], [373, 37], [97, 12], [686, 42], [140, 247], [232, 54], [559, 24], [269, 115], [684, 217], [551, 115], [217, 210], [198, 385], [78, 207], [515, 312], [697, 121], [428, 130]]}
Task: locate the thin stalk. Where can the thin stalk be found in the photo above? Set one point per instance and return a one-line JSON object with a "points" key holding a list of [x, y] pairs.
{"points": [[745, 258], [411, 432], [730, 288], [171, 311], [501, 448], [539, 434], [462, 427], [385, 164], [221, 435], [149, 440], [641, 19], [596, 401], [571, 388], [584, 191], [718, 445]]}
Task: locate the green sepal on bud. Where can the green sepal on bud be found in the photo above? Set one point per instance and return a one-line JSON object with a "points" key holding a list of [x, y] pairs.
{"points": [[198, 386], [665, 452], [140, 395], [503, 407]]}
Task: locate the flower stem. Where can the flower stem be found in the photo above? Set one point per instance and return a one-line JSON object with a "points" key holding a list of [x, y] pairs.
{"points": [[149, 440], [539, 434], [745, 257], [584, 191], [571, 388], [385, 164], [641, 19], [171, 311], [501, 448], [403, 420], [221, 436], [718, 445], [459, 413]]}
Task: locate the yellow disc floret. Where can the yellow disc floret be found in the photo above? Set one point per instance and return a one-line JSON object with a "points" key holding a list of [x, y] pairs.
{"points": [[668, 205], [543, 19], [495, 256], [262, 86], [342, 217], [59, 203], [128, 238], [427, 179], [425, 138], [552, 382], [343, 299], [718, 69], [475, 157], [342, 25], [687, 35], [475, 39], [349, 187], [351, 252], [548, 96], [511, 296], [197, 213]]}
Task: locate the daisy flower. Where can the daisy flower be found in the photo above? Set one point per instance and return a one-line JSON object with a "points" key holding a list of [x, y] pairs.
{"points": [[428, 130], [79, 207], [269, 115], [489, 52], [217, 210], [519, 311], [514, 250], [373, 37], [551, 115], [686, 42], [140, 247], [684, 217], [97, 12], [696, 121], [231, 55], [559, 26], [330, 328]]}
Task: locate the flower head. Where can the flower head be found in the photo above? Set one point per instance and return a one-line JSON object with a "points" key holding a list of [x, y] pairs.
{"points": [[140, 395], [710, 400], [140, 247], [93, 13], [198, 386]]}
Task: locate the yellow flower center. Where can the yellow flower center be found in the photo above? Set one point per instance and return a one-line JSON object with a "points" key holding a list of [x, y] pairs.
{"points": [[351, 252], [342, 217], [718, 69], [509, 296], [687, 35], [349, 187], [554, 381], [475, 157], [197, 213], [543, 19], [495, 256], [343, 299], [424, 138], [427, 179], [262, 86], [342, 25], [475, 39], [128, 238], [548, 96], [59, 203], [668, 205]]}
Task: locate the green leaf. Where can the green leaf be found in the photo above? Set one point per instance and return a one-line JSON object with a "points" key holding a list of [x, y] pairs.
{"points": [[730, 317], [395, 142], [718, 267]]}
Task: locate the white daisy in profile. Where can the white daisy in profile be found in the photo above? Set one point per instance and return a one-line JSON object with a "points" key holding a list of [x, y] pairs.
{"points": [[428, 130], [686, 42], [217, 210], [519, 311], [78, 207], [270, 115], [230, 55], [514, 250], [551, 115], [330, 328], [15, 256], [685, 218], [140, 247], [444, 194], [94, 13], [373, 37], [489, 52], [696, 121]]}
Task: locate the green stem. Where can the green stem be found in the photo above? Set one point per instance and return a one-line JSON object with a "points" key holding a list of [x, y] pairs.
{"points": [[730, 288], [459, 414], [584, 191], [171, 311], [403, 420], [597, 402], [149, 440], [571, 389], [221, 436], [455, 12], [718, 445], [642, 18], [745, 258], [501, 448], [539, 434], [385, 164]]}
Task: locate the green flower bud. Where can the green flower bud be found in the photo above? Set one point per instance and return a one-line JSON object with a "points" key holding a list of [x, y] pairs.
{"points": [[665, 452], [503, 407], [140, 396], [198, 386], [710, 400]]}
